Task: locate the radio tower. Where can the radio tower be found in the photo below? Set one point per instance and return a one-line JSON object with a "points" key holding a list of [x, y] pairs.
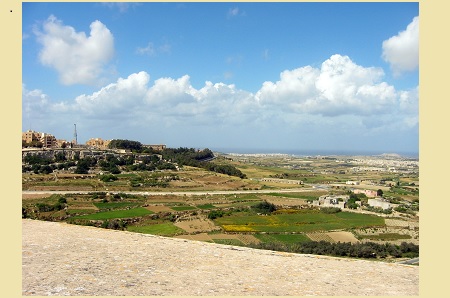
{"points": [[75, 135]]}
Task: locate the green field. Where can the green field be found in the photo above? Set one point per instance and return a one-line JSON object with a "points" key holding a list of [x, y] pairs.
{"points": [[303, 222], [164, 229], [80, 211], [206, 206], [115, 205], [135, 212]]}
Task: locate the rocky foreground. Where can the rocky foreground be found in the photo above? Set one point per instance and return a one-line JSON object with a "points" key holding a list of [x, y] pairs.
{"points": [[60, 259]]}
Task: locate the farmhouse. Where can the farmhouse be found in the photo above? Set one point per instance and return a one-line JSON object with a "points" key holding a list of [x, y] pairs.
{"points": [[368, 192], [332, 201], [379, 202]]}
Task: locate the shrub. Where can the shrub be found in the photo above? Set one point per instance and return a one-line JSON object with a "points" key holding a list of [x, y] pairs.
{"points": [[108, 178], [215, 214], [264, 207], [42, 207], [330, 210], [114, 224]]}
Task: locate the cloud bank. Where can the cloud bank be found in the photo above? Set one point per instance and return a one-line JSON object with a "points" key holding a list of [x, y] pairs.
{"points": [[340, 94]]}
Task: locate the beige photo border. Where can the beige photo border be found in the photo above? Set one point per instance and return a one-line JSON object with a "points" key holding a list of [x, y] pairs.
{"points": [[434, 62]]}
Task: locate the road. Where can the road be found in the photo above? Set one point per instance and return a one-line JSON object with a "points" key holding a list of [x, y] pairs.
{"points": [[181, 193], [410, 261]]}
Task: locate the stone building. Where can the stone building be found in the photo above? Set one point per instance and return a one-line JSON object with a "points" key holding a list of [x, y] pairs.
{"points": [[339, 201], [98, 143], [47, 140], [159, 147], [379, 202], [30, 136], [368, 192]]}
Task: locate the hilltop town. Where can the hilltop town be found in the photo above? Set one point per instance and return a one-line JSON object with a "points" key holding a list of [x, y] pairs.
{"points": [[33, 139]]}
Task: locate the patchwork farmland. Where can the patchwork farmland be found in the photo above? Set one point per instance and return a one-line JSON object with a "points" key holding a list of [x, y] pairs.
{"points": [[199, 205]]}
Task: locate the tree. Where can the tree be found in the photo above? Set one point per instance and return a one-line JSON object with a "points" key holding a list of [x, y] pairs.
{"points": [[215, 214], [353, 205], [60, 156], [125, 144], [379, 193], [82, 167], [264, 207], [45, 169]]}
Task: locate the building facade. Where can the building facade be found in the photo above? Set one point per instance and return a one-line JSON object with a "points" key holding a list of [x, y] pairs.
{"points": [[379, 202], [368, 192], [98, 143], [159, 147], [339, 201], [47, 140]]}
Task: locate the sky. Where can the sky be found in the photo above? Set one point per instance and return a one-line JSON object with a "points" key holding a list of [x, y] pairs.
{"points": [[260, 77]]}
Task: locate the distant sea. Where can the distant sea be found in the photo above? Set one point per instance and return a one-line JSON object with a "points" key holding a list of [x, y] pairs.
{"points": [[330, 152]]}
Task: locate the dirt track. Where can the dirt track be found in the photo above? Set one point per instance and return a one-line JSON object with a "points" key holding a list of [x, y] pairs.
{"points": [[61, 259]]}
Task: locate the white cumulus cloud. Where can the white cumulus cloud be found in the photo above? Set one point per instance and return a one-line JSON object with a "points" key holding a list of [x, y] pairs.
{"points": [[402, 50], [120, 97], [339, 87], [78, 59]]}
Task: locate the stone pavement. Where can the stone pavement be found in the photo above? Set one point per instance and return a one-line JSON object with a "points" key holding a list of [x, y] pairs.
{"points": [[68, 260]]}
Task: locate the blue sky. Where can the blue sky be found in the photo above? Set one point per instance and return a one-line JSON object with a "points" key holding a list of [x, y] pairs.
{"points": [[259, 76]]}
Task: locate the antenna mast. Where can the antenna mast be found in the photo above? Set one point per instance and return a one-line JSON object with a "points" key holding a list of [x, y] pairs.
{"points": [[75, 134]]}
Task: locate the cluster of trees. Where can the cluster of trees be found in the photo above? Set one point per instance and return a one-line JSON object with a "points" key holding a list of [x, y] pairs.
{"points": [[351, 203], [84, 164], [152, 166], [223, 169], [114, 224], [186, 156], [213, 214], [125, 144], [198, 158], [32, 159], [40, 165], [346, 249], [113, 164], [43, 207], [108, 178], [264, 207], [134, 146], [407, 208]]}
